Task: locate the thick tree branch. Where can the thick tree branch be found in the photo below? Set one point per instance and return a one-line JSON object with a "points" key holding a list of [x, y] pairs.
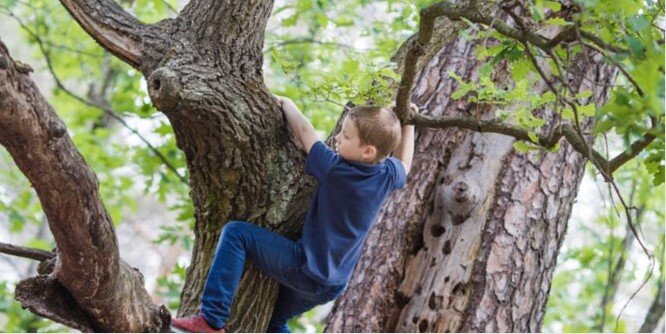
{"points": [[26, 252], [88, 264], [565, 130], [233, 25], [599, 42], [113, 28], [45, 296], [634, 149]]}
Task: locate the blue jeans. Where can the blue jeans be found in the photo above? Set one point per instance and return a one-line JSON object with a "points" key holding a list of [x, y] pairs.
{"points": [[278, 257]]}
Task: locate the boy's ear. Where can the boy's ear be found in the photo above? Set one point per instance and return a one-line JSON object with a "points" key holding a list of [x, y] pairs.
{"points": [[370, 152]]}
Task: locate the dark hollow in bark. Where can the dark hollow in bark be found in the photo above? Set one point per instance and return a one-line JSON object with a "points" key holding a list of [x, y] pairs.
{"points": [[504, 216]]}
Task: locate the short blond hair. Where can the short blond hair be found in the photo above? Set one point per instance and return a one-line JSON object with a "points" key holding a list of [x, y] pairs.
{"points": [[378, 127]]}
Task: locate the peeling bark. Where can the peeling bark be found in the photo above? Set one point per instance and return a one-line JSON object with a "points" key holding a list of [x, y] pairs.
{"points": [[471, 243]]}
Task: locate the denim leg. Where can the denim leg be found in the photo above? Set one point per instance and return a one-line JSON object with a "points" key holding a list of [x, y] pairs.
{"points": [[274, 254], [291, 303], [288, 305]]}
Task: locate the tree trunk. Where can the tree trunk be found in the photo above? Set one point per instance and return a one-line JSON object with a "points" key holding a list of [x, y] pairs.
{"points": [[243, 161], [470, 244], [203, 70]]}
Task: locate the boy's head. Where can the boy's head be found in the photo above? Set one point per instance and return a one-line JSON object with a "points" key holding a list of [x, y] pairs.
{"points": [[369, 134]]}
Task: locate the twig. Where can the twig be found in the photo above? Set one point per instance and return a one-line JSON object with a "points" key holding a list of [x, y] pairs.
{"points": [[598, 41], [307, 40], [25, 252], [619, 66]]}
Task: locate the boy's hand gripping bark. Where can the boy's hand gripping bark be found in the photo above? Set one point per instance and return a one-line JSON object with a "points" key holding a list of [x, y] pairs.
{"points": [[298, 124]]}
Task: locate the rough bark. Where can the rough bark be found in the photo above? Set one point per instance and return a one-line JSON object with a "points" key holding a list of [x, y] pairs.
{"points": [[471, 243], [109, 295], [204, 73]]}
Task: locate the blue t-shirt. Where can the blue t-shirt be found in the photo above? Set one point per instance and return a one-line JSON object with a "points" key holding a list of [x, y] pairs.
{"points": [[344, 206]]}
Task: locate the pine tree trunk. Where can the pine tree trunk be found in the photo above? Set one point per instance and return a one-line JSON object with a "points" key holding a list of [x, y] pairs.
{"points": [[471, 243]]}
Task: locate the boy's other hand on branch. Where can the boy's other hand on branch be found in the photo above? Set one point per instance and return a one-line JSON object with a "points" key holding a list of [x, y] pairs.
{"points": [[412, 107]]}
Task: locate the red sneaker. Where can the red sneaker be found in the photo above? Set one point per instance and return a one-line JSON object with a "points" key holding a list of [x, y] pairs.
{"points": [[194, 324]]}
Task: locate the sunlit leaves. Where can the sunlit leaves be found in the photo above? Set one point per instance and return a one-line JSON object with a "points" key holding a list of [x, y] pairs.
{"points": [[317, 66]]}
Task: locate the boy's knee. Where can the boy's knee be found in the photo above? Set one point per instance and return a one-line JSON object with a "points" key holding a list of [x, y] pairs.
{"points": [[233, 227]]}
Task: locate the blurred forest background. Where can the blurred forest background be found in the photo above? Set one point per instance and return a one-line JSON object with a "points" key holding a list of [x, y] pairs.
{"points": [[321, 54]]}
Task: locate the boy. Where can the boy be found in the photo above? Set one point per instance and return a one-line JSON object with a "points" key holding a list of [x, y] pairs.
{"points": [[353, 181]]}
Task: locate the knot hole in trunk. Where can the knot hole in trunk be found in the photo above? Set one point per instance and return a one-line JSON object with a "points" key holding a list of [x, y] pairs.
{"points": [[164, 89]]}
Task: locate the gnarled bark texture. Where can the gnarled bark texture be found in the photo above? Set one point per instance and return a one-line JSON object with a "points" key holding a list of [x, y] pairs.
{"points": [[86, 286], [471, 243], [204, 73]]}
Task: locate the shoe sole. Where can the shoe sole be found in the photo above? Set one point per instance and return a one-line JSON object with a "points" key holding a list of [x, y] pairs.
{"points": [[178, 330]]}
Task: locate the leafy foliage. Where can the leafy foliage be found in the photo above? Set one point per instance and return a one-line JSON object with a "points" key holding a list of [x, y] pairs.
{"points": [[628, 34], [584, 269]]}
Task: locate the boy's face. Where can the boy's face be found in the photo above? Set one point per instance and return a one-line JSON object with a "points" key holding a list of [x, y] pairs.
{"points": [[348, 144]]}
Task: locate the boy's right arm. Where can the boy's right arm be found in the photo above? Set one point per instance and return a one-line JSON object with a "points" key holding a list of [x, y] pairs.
{"points": [[405, 150], [298, 124]]}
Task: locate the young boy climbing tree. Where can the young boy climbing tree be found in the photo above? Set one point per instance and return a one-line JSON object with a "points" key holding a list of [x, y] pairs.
{"points": [[353, 181]]}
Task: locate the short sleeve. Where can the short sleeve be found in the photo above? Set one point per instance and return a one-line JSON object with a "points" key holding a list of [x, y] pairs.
{"points": [[396, 171], [320, 160]]}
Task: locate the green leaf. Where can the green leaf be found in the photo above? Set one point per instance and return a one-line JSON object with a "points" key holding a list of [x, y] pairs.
{"points": [[636, 47], [557, 21], [587, 110], [523, 147], [638, 23], [554, 6]]}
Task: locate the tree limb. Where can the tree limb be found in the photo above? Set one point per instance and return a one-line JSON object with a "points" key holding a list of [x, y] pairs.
{"points": [[634, 149], [44, 296], [565, 130], [26, 252], [88, 264], [419, 45], [114, 29], [598, 41]]}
